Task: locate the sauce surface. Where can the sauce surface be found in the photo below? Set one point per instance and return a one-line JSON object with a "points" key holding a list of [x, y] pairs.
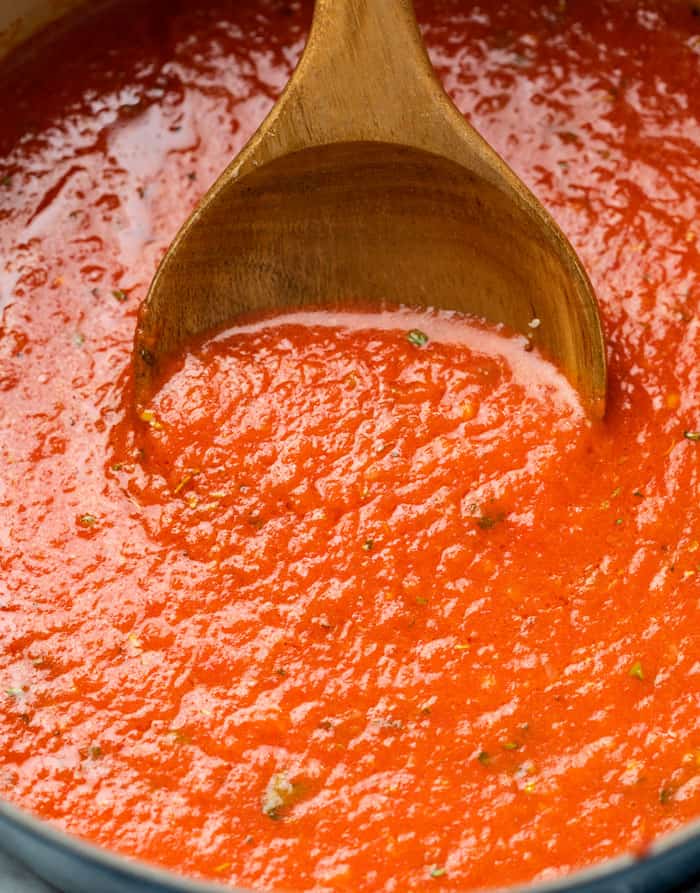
{"points": [[362, 601]]}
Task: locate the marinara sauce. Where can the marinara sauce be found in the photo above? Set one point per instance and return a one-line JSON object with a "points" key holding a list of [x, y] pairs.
{"points": [[362, 601]]}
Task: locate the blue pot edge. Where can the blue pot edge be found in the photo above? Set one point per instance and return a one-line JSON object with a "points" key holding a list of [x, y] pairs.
{"points": [[669, 861]]}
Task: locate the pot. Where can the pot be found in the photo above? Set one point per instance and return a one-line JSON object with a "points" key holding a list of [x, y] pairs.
{"points": [[75, 866]]}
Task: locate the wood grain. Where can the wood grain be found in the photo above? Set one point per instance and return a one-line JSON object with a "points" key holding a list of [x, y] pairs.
{"points": [[365, 182]]}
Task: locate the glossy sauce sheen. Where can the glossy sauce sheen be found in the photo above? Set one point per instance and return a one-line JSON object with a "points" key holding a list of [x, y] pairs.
{"points": [[349, 608]]}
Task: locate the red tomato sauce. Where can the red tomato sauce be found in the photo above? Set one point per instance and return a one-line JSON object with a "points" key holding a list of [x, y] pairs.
{"points": [[362, 601]]}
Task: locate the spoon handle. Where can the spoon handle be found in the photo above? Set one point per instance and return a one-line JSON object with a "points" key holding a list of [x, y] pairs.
{"points": [[377, 43], [365, 75]]}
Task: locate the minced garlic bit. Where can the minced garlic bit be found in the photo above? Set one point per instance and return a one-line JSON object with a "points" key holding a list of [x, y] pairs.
{"points": [[280, 792]]}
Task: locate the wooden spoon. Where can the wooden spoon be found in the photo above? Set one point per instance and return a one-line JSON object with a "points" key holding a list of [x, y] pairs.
{"points": [[365, 182]]}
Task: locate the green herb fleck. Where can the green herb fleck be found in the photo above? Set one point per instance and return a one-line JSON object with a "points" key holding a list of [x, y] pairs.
{"points": [[665, 795], [512, 745], [87, 520], [692, 435], [437, 872], [638, 494], [484, 758], [95, 752], [488, 522], [119, 295], [368, 545], [636, 671], [568, 137], [6, 181], [417, 338], [619, 522], [14, 693]]}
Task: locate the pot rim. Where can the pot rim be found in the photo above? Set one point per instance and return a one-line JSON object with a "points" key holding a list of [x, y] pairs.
{"points": [[138, 870], [16, 30], [13, 34]]}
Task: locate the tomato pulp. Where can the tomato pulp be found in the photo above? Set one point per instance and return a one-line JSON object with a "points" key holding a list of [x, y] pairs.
{"points": [[362, 601]]}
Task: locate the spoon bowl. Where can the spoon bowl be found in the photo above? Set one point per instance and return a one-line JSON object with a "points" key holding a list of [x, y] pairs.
{"points": [[365, 183]]}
